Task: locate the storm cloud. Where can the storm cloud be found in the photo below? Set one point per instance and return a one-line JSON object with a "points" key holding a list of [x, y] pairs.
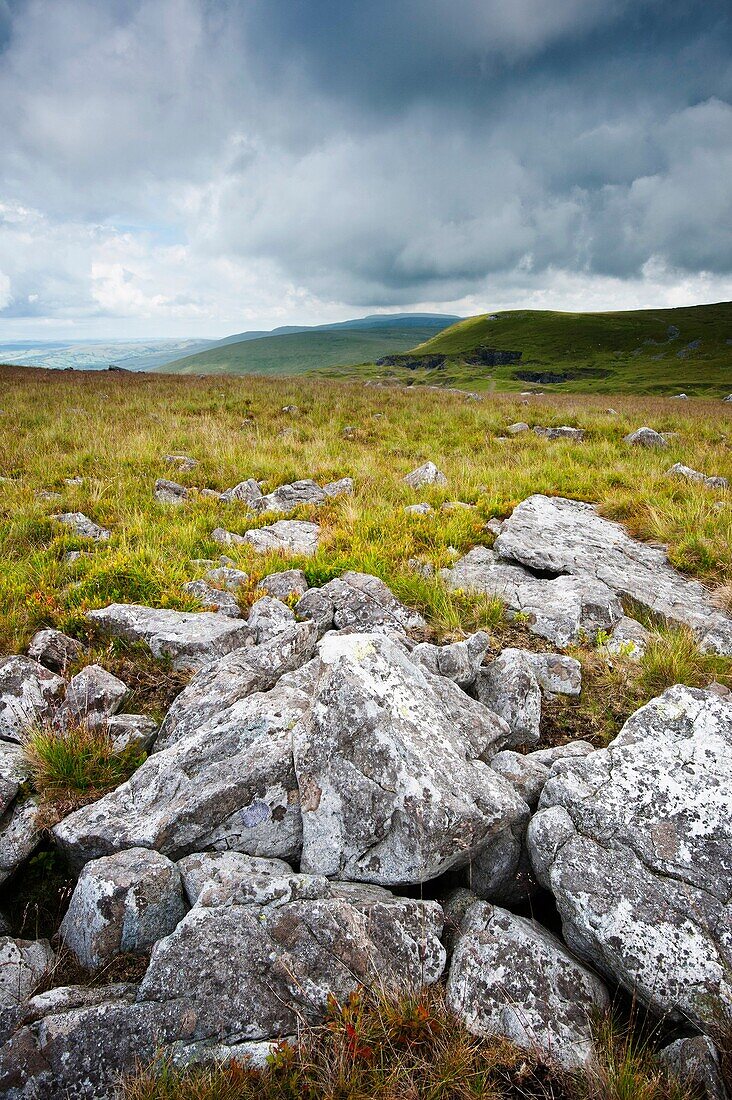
{"points": [[197, 166]]}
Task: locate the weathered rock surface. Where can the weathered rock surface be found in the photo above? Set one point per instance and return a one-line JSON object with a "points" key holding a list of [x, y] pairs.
{"points": [[291, 536], [563, 432], [517, 428], [633, 841], [216, 599], [82, 526], [227, 577], [124, 902], [554, 535], [560, 609], [628, 639], [246, 492], [460, 661], [423, 509], [226, 681], [509, 688], [426, 474], [695, 1061], [93, 696], [358, 600], [190, 639], [227, 538], [389, 765], [510, 977], [131, 731], [679, 470], [23, 965], [28, 694], [219, 878], [229, 785], [184, 462], [268, 618], [646, 437], [525, 775], [281, 586], [169, 492], [19, 836], [54, 650], [288, 497]]}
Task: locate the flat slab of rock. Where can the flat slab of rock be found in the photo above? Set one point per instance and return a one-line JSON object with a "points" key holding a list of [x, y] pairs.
{"points": [[358, 600], [28, 694], [554, 535], [563, 609], [82, 526], [633, 841], [388, 761], [290, 536], [190, 639], [512, 978], [124, 902]]}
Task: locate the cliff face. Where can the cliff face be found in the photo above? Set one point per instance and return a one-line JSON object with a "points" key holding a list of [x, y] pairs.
{"points": [[478, 357]]}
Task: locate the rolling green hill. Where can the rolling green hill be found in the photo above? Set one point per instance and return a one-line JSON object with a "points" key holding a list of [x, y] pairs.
{"points": [[304, 350], [687, 349]]}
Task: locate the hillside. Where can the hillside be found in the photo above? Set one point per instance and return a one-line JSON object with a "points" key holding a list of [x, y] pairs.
{"points": [[687, 349], [295, 351]]}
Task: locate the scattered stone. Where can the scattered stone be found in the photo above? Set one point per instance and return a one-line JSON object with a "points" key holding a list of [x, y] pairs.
{"points": [[287, 498], [563, 609], [632, 842], [357, 600], [184, 462], [389, 766], [628, 639], [563, 432], [212, 494], [426, 474], [556, 536], [679, 397], [131, 731], [48, 494], [290, 409], [247, 492], [494, 526], [23, 965], [93, 695], [227, 538], [73, 482], [290, 536], [679, 470], [189, 639], [517, 428], [423, 509], [28, 695], [512, 978], [460, 661], [285, 585], [646, 437], [82, 526], [423, 568], [170, 492], [215, 599], [342, 487], [54, 650], [124, 902]]}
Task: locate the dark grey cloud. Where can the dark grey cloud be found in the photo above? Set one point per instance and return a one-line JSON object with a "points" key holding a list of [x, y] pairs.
{"points": [[379, 153]]}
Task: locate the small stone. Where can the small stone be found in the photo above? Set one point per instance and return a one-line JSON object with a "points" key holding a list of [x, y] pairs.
{"points": [[82, 526], [169, 492], [247, 492], [282, 586], [426, 474], [227, 538], [563, 432], [214, 599], [183, 462], [227, 577], [646, 437], [517, 428], [292, 409], [423, 568], [422, 509], [289, 536], [343, 487]]}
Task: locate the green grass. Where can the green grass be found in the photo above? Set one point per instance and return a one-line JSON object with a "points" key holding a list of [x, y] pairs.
{"points": [[294, 353], [408, 1046], [623, 352], [114, 431]]}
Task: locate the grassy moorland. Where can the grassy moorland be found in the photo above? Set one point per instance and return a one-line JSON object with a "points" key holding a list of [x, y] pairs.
{"points": [[113, 431], [651, 351]]}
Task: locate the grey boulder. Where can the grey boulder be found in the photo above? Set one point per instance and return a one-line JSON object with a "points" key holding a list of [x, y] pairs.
{"points": [[19, 835], [54, 650], [679, 470], [29, 694], [282, 586], [169, 492], [695, 1061], [426, 474], [82, 526], [131, 731], [214, 599], [358, 600], [246, 492], [268, 618], [93, 696], [24, 964], [459, 661], [646, 437], [563, 432], [289, 536]]}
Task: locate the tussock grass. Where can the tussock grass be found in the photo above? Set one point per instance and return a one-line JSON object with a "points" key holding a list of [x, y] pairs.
{"points": [[74, 765], [378, 1046]]}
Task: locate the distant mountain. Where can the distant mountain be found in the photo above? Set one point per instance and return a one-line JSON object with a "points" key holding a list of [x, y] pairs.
{"points": [[687, 349], [293, 350], [138, 355]]}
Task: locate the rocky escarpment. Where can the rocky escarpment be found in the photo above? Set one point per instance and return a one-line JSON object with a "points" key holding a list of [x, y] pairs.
{"points": [[333, 800]]}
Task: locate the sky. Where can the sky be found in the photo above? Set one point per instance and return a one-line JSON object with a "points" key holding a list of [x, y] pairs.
{"points": [[201, 167]]}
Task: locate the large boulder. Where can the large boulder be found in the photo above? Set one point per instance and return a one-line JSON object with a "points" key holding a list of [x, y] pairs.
{"points": [[230, 785], [189, 639], [285, 585], [633, 841], [219, 878], [552, 535], [19, 835], [28, 695], [358, 600], [509, 688], [389, 760], [512, 978], [563, 609], [269, 618], [222, 683], [695, 1061], [289, 536], [125, 902]]}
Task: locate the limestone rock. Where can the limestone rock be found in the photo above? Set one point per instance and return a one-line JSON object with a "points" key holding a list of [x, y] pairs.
{"points": [[93, 696], [227, 538], [54, 650], [123, 902], [23, 965], [517, 428], [19, 836], [358, 600], [215, 599], [426, 474], [268, 618], [183, 462], [510, 689], [460, 661], [290, 536], [281, 586], [82, 526], [190, 639], [512, 978], [342, 487], [388, 761], [646, 437], [526, 775], [28, 695], [422, 509], [228, 680], [554, 535], [170, 492], [227, 577], [562, 609], [246, 492], [131, 731], [633, 842], [286, 498], [561, 752], [215, 878]]}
